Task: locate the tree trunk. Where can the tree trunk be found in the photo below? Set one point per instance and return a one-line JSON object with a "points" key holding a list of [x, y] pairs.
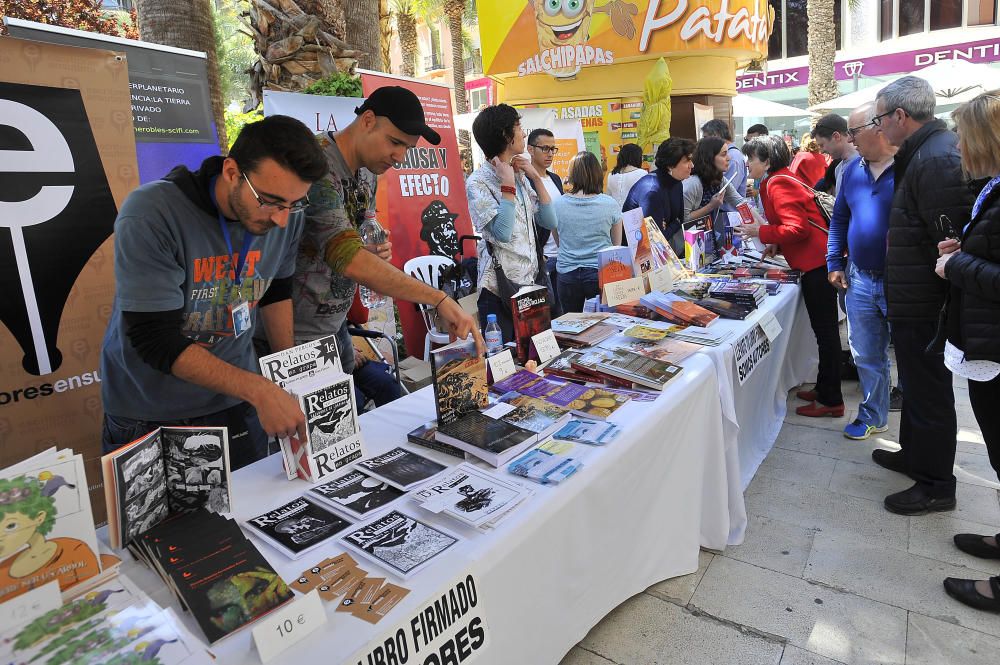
{"points": [[822, 44], [385, 34], [364, 32], [298, 42], [406, 25], [186, 24], [454, 9]]}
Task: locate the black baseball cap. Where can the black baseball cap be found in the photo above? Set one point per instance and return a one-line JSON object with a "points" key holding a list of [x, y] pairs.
{"points": [[402, 108]]}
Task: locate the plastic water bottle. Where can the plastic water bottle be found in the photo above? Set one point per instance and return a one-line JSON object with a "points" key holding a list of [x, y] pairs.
{"points": [[493, 335], [372, 234]]}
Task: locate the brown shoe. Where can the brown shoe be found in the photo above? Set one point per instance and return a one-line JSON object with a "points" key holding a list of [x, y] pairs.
{"points": [[807, 395], [817, 410]]}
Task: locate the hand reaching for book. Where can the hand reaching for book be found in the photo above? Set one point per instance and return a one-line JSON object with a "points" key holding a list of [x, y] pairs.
{"points": [[278, 411], [460, 325]]}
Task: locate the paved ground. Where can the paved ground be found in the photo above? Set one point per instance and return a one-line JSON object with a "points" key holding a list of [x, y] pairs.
{"points": [[826, 575]]}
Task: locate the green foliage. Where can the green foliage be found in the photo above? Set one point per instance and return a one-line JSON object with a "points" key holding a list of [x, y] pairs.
{"points": [[235, 122], [336, 85], [235, 52], [24, 496]]}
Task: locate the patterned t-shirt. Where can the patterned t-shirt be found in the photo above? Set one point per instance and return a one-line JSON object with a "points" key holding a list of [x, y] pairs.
{"points": [[321, 292]]}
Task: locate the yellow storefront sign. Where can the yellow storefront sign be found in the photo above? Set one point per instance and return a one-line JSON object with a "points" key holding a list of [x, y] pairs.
{"points": [[559, 37]]}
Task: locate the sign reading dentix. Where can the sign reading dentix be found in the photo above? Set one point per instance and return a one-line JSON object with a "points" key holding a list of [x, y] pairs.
{"points": [[560, 37], [67, 161]]}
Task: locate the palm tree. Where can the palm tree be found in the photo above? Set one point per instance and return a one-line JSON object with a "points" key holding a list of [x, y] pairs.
{"points": [[385, 33], [406, 12], [298, 42], [822, 45], [186, 24], [364, 32]]}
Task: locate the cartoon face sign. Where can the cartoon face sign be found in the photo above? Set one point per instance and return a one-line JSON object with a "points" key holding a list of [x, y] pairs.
{"points": [[438, 229], [563, 23]]}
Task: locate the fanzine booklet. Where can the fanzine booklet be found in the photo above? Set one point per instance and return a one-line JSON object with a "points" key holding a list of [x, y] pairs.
{"points": [[399, 543], [459, 375], [532, 315], [594, 432], [318, 358], [401, 468], [48, 525], [297, 527], [356, 494], [470, 495], [333, 434], [170, 470], [548, 464]]}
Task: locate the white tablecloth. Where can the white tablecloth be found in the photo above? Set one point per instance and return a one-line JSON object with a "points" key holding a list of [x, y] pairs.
{"points": [[755, 411], [636, 514]]}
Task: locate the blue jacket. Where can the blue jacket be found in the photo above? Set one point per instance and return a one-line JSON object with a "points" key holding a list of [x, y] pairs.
{"points": [[661, 196]]}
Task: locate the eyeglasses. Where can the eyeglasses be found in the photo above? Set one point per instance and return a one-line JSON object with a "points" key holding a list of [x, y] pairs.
{"points": [[551, 149], [877, 120], [854, 131], [298, 206]]}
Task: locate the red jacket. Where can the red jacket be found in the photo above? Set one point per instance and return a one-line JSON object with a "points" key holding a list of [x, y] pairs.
{"points": [[809, 166], [789, 208]]}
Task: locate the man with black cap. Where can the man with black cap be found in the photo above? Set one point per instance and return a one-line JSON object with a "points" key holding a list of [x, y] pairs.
{"points": [[331, 262]]}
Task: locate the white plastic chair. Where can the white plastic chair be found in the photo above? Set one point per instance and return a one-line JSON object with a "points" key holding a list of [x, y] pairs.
{"points": [[428, 270]]}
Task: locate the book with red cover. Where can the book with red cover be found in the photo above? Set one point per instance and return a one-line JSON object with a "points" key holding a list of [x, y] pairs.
{"points": [[613, 265], [530, 310], [677, 310], [589, 337]]}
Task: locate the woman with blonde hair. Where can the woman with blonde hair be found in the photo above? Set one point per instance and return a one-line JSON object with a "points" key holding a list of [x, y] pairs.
{"points": [[588, 221], [970, 261]]}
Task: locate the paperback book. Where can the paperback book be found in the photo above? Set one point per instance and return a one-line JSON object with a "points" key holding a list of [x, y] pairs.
{"points": [[48, 525], [471, 496], [401, 468], [589, 337], [459, 376], [677, 310], [549, 464], [530, 413], [593, 432], [726, 309], [171, 469], [574, 323], [356, 494], [333, 434], [492, 440], [614, 264], [634, 227], [400, 543], [426, 436], [638, 369], [670, 348], [586, 401], [298, 527], [531, 314]]}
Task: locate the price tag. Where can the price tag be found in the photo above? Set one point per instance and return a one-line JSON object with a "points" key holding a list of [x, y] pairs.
{"points": [[286, 626], [661, 280], [30, 605], [626, 290], [501, 365], [546, 346], [770, 326], [499, 410]]}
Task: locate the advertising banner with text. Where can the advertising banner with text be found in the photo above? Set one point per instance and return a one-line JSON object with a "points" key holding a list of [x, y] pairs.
{"points": [[422, 201], [171, 108], [560, 37], [67, 162]]}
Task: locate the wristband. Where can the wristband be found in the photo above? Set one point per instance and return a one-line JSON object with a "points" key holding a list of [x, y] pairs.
{"points": [[507, 189], [443, 298]]}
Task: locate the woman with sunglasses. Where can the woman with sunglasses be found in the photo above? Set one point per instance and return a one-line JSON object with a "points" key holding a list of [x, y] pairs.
{"points": [[970, 261], [798, 230]]}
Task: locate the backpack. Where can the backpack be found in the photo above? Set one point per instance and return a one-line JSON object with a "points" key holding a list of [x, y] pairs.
{"points": [[824, 203]]}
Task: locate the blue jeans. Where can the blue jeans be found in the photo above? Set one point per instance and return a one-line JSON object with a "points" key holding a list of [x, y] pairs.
{"points": [[550, 267], [576, 286], [868, 332], [375, 380]]}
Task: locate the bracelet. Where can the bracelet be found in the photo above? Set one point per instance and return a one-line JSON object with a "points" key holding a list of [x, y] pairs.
{"points": [[443, 298], [507, 189]]}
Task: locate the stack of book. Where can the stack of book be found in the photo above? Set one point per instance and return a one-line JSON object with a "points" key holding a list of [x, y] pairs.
{"points": [[740, 293], [585, 401], [702, 336], [426, 436], [216, 573], [676, 309], [356, 494], [400, 543], [297, 527], [594, 432], [592, 335], [550, 463], [472, 497], [637, 368], [725, 308]]}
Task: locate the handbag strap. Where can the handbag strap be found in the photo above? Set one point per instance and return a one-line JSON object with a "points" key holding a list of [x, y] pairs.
{"points": [[815, 196]]}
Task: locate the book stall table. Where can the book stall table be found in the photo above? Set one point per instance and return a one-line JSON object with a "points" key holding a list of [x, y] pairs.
{"points": [[636, 514], [754, 411]]}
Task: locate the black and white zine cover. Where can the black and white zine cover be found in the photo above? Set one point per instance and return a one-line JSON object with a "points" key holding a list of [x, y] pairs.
{"points": [[401, 468], [298, 526], [356, 493], [332, 425], [141, 487], [400, 543], [197, 468]]}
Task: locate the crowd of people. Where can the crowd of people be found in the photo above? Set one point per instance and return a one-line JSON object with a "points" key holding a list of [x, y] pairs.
{"points": [[911, 250], [259, 250]]}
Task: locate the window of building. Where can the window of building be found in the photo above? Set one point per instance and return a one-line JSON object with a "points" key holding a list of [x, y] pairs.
{"points": [[478, 98], [775, 43], [981, 12], [946, 14], [789, 37], [911, 16], [886, 12]]}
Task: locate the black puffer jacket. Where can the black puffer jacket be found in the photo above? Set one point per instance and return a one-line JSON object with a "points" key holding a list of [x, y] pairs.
{"points": [[974, 273], [929, 183]]}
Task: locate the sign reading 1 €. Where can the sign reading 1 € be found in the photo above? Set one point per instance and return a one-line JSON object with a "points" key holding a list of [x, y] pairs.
{"points": [[559, 37]]}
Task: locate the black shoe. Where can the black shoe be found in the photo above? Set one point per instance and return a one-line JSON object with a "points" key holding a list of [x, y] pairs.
{"points": [[889, 460], [964, 591], [917, 501], [895, 400], [973, 543]]}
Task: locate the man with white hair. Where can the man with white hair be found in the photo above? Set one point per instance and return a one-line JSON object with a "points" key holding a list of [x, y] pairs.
{"points": [[856, 262], [932, 202]]}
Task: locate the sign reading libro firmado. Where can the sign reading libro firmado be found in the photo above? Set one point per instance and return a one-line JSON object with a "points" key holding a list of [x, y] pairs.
{"points": [[449, 628]]}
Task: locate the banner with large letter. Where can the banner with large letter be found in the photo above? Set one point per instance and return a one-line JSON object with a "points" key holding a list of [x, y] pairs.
{"points": [[422, 201], [67, 158], [171, 106]]}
